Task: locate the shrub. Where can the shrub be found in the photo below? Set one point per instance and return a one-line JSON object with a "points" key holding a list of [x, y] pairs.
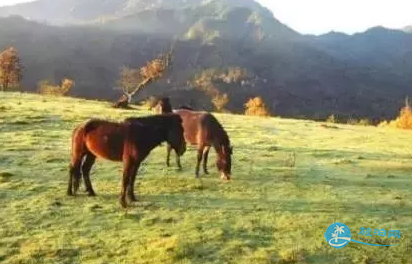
{"points": [[403, 121], [220, 101], [150, 102], [46, 88], [384, 123], [364, 122], [256, 107], [360, 122], [331, 119]]}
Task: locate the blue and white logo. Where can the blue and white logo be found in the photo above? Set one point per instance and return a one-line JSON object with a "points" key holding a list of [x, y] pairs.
{"points": [[338, 235]]}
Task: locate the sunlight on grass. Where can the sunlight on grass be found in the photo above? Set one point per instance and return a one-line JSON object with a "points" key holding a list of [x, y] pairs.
{"points": [[291, 180]]}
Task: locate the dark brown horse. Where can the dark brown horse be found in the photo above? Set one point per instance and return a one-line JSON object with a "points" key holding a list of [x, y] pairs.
{"points": [[129, 142], [204, 131]]}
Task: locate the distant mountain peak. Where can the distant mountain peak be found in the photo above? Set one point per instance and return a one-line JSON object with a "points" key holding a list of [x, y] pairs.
{"points": [[74, 11], [407, 29]]}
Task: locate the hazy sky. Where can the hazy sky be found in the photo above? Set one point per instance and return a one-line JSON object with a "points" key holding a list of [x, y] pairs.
{"points": [[321, 16]]}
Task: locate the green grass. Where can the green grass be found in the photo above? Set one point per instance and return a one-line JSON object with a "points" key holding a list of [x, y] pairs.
{"points": [[291, 180]]}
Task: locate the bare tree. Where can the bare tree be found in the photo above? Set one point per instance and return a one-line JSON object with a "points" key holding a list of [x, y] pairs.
{"points": [[133, 80]]}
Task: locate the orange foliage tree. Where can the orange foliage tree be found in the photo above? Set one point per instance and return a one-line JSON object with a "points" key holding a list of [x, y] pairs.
{"points": [[133, 80], [47, 88], [404, 120], [256, 107], [10, 69]]}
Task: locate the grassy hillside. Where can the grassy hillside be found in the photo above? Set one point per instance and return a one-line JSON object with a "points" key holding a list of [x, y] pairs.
{"points": [[275, 210]]}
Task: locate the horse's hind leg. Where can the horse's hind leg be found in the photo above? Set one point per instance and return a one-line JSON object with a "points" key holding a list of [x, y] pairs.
{"points": [[205, 157], [77, 155], [70, 183], [87, 166], [199, 160], [130, 190], [169, 149], [74, 176]]}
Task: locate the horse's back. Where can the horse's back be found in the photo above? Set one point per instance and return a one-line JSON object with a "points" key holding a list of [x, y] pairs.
{"points": [[105, 139], [200, 127]]}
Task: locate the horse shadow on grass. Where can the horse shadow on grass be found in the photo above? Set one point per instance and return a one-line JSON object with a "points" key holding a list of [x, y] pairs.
{"points": [[192, 202], [230, 244]]}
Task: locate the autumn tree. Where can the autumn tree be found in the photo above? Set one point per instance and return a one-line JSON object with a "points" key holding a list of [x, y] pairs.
{"points": [[404, 120], [47, 88], [10, 69], [133, 80], [208, 80], [220, 101], [256, 107]]}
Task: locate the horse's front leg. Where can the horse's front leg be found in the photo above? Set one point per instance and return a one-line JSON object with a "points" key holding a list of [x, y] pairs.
{"points": [[87, 166], [127, 171], [179, 165], [199, 160], [133, 173], [205, 157]]}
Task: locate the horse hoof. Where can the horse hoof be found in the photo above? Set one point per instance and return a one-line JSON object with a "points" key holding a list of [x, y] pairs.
{"points": [[123, 203], [91, 194]]}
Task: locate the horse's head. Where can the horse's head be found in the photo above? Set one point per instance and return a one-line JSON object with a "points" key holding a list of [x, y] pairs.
{"points": [[175, 135], [224, 161]]}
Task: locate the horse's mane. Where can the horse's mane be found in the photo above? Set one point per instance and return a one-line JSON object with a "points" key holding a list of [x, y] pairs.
{"points": [[152, 119], [224, 136]]}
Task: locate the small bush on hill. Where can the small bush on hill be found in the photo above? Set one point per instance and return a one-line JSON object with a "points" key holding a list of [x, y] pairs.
{"points": [[256, 107], [403, 121], [46, 88], [220, 101], [359, 122], [149, 103], [331, 119]]}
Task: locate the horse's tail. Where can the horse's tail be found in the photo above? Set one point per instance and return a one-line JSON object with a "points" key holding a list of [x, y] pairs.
{"points": [[78, 151]]}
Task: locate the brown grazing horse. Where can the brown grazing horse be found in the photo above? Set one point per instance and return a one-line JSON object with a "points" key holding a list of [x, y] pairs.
{"points": [[129, 142], [203, 130]]}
